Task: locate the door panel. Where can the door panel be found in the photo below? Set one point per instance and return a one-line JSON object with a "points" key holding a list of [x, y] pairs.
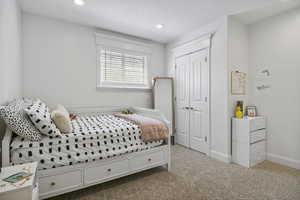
{"points": [[182, 81], [199, 93], [199, 79], [198, 131], [192, 101], [182, 128], [182, 100]]}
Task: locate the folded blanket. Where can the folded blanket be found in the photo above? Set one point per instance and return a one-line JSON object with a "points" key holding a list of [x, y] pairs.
{"points": [[152, 129]]}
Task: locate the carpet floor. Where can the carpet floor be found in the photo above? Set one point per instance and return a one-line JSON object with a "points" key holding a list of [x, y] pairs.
{"points": [[194, 176]]}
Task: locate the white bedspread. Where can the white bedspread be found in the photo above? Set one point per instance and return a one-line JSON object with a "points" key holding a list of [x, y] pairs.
{"points": [[93, 138]]}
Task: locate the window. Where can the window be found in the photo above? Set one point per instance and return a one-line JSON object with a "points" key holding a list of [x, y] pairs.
{"points": [[122, 69]]}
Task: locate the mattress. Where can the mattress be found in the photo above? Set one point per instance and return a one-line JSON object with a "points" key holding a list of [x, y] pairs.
{"points": [[93, 138]]}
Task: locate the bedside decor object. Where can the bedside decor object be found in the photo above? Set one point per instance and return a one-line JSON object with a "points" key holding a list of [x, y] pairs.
{"points": [[19, 182], [251, 111], [238, 83], [17, 177], [238, 113]]}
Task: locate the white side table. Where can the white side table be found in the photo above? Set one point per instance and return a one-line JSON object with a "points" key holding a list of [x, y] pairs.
{"points": [[249, 140], [25, 190]]}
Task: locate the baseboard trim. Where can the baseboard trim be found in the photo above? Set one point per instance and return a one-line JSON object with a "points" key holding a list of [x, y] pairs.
{"points": [[220, 156], [284, 160]]}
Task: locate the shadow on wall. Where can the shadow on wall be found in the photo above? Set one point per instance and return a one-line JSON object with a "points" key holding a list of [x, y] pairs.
{"points": [[2, 129]]}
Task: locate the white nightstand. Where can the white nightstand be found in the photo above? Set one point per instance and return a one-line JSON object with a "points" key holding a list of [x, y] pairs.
{"points": [[25, 190], [249, 140]]}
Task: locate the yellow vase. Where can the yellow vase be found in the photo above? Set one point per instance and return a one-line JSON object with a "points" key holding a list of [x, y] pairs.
{"points": [[238, 113]]}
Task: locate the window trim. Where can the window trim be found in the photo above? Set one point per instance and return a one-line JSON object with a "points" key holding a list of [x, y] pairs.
{"points": [[116, 85]]}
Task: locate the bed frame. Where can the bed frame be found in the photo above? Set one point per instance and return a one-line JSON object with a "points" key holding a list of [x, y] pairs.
{"points": [[53, 182]]}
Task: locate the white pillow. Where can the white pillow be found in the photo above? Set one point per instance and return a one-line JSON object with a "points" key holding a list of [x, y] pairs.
{"points": [[61, 118]]}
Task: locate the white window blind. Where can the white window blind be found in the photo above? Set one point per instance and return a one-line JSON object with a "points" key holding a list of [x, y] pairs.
{"points": [[122, 68]]}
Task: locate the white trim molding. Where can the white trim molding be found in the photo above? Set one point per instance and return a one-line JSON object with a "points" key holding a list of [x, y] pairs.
{"points": [[119, 42], [220, 156], [193, 46], [284, 160]]}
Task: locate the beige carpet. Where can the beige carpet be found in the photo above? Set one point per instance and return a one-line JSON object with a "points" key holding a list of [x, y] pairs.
{"points": [[195, 176]]}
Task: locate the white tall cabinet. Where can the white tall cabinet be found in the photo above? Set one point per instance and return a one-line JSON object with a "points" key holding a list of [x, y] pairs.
{"points": [[192, 100]]}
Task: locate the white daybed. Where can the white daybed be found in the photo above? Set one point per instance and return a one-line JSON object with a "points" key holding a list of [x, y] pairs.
{"points": [[65, 179]]}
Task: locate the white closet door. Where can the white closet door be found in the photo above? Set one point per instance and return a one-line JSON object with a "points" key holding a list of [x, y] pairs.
{"points": [[182, 100], [199, 102]]}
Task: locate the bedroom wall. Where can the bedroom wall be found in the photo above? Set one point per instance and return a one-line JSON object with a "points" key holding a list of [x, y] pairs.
{"points": [[10, 53], [60, 66], [238, 58], [220, 129], [274, 45]]}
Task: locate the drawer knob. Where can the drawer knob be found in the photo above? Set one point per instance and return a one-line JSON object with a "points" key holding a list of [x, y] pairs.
{"points": [[109, 170], [52, 184], [149, 159]]}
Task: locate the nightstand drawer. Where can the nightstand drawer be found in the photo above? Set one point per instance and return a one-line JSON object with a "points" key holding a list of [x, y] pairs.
{"points": [[257, 153], [60, 182], [257, 136], [257, 123]]}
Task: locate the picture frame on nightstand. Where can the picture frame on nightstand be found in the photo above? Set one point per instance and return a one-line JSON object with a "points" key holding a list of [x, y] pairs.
{"points": [[251, 111]]}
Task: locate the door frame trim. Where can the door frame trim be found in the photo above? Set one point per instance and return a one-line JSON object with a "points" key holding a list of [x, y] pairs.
{"points": [[192, 46], [189, 48]]}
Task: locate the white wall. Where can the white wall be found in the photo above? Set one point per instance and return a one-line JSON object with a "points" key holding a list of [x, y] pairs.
{"points": [[238, 58], [274, 45], [10, 51], [60, 66], [220, 129]]}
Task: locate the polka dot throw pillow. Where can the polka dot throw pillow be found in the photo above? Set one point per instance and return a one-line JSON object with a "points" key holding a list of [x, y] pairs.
{"points": [[17, 120], [40, 116]]}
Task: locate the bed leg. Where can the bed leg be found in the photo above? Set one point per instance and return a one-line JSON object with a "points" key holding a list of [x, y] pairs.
{"points": [[169, 167]]}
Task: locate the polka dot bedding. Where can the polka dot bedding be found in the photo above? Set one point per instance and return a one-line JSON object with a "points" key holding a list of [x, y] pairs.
{"points": [[93, 138]]}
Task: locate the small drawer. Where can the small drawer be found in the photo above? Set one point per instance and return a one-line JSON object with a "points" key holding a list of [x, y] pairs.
{"points": [[100, 172], [257, 123], [143, 161], [257, 136], [257, 153], [60, 182]]}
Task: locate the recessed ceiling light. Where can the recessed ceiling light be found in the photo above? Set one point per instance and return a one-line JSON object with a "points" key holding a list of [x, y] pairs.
{"points": [[78, 2], [159, 26]]}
